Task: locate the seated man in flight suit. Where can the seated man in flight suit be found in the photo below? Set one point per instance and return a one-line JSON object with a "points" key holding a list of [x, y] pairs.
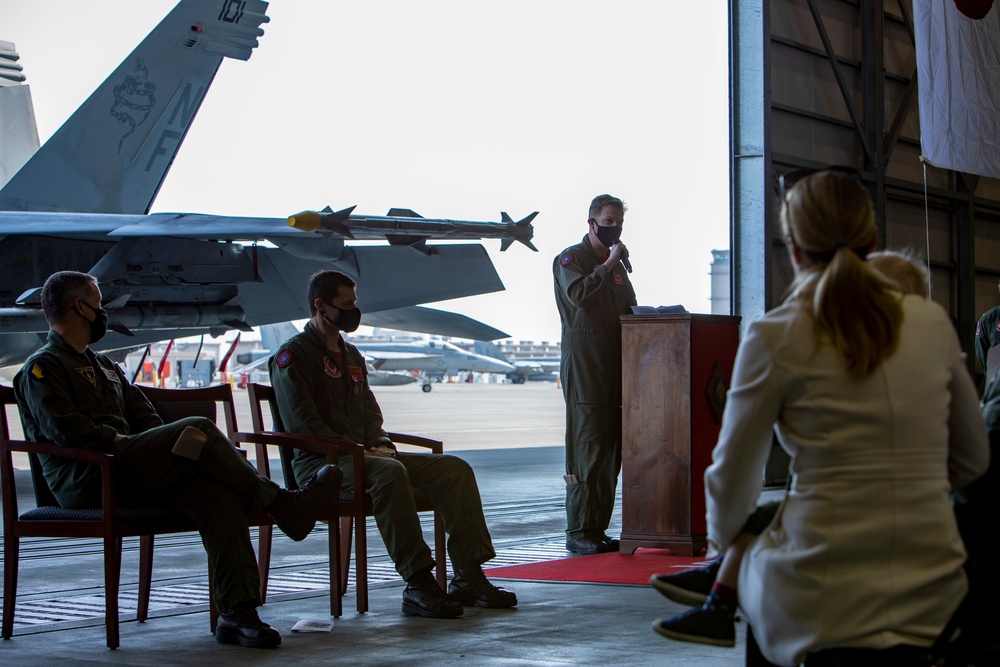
{"points": [[321, 384], [70, 396]]}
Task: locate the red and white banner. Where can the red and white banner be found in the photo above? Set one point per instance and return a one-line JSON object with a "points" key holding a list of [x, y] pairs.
{"points": [[958, 78]]}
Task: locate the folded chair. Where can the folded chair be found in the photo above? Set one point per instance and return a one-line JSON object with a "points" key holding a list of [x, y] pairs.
{"points": [[352, 508]]}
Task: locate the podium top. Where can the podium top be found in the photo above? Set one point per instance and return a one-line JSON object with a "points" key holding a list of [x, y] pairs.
{"points": [[683, 317]]}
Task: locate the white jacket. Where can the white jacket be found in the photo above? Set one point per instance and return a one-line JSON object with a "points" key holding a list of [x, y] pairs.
{"points": [[864, 551]]}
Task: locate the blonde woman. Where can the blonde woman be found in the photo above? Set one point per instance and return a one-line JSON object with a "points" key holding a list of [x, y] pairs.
{"points": [[868, 393]]}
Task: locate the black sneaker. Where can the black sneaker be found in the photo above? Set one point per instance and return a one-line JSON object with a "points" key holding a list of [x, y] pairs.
{"points": [[296, 512], [691, 587], [703, 625]]}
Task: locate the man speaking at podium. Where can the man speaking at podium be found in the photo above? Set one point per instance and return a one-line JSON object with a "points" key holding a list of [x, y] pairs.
{"points": [[592, 293]]}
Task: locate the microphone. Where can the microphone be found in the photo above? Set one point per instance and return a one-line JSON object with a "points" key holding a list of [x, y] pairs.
{"points": [[624, 259]]}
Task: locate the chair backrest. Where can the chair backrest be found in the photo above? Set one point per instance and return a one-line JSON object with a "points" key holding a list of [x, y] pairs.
{"points": [[260, 394], [175, 404], [43, 494]]}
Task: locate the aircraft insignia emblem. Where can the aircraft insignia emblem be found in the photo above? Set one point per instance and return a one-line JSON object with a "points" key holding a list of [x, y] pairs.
{"points": [[566, 259], [284, 359], [133, 100], [88, 372]]}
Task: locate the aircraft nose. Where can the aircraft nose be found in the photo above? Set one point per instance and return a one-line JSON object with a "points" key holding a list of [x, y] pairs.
{"points": [[498, 366]]}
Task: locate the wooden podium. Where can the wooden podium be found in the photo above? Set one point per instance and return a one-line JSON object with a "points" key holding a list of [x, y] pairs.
{"points": [[676, 371]]}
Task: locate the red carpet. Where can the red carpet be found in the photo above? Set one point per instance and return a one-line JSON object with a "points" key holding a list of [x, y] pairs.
{"points": [[610, 568]]}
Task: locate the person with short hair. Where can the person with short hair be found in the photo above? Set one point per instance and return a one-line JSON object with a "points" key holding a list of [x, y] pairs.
{"points": [[592, 292], [73, 397], [868, 392], [321, 384]]}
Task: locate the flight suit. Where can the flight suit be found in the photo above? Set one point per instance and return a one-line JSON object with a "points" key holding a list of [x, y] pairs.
{"points": [[987, 335], [84, 400], [591, 299], [319, 394]]}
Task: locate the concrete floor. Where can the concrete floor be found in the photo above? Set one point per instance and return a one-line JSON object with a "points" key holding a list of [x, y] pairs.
{"points": [[522, 490]]}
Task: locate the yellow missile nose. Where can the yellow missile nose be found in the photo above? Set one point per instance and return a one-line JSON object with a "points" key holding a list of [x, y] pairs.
{"points": [[306, 221]]}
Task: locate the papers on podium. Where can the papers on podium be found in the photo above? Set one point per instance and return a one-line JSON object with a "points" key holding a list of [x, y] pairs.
{"points": [[659, 310]]}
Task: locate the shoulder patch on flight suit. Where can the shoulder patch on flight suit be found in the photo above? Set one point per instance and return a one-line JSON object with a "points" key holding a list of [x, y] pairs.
{"points": [[618, 278], [355, 372], [566, 259], [88, 372], [978, 326], [284, 359], [39, 370], [110, 374], [998, 326], [331, 368]]}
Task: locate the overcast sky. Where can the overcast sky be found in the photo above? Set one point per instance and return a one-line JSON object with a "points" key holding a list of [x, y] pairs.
{"points": [[455, 109]]}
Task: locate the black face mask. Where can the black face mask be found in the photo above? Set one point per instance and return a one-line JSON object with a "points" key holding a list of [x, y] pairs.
{"points": [[609, 235], [99, 325], [349, 319]]}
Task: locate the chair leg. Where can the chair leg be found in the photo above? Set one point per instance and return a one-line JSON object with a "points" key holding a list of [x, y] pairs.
{"points": [[11, 545], [213, 609], [361, 563], [440, 550], [336, 599], [344, 564], [112, 577], [264, 537], [145, 576]]}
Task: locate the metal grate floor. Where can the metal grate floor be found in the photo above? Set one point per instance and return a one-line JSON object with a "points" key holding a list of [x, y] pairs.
{"points": [[282, 583]]}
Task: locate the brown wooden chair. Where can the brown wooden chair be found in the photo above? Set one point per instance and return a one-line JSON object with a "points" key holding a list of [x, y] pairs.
{"points": [[110, 523], [352, 508]]}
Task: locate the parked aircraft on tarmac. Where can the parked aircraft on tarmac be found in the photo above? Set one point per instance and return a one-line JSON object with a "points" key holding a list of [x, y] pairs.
{"points": [[432, 359], [536, 369], [82, 202]]}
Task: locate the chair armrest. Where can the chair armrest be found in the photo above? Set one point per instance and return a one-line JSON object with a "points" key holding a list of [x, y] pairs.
{"points": [[102, 459], [311, 443], [76, 453], [436, 446]]}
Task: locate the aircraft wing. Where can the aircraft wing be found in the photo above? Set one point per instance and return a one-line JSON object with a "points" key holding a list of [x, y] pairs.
{"points": [[431, 321], [81, 203], [402, 357]]}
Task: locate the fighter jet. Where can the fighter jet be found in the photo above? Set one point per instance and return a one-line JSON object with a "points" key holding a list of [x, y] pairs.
{"points": [[82, 202], [432, 359], [536, 369]]}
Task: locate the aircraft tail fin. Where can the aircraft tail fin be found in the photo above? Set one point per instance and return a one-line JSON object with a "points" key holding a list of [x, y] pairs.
{"points": [[489, 349], [18, 132], [273, 335], [113, 153]]}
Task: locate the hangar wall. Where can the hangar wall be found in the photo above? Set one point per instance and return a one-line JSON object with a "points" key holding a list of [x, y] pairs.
{"points": [[822, 82]]}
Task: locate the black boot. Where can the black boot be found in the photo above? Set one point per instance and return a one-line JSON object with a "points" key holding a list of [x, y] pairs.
{"points": [[471, 587], [423, 597], [296, 512], [241, 625]]}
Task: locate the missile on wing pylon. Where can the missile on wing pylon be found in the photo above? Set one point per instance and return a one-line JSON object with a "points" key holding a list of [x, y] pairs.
{"points": [[403, 223]]}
